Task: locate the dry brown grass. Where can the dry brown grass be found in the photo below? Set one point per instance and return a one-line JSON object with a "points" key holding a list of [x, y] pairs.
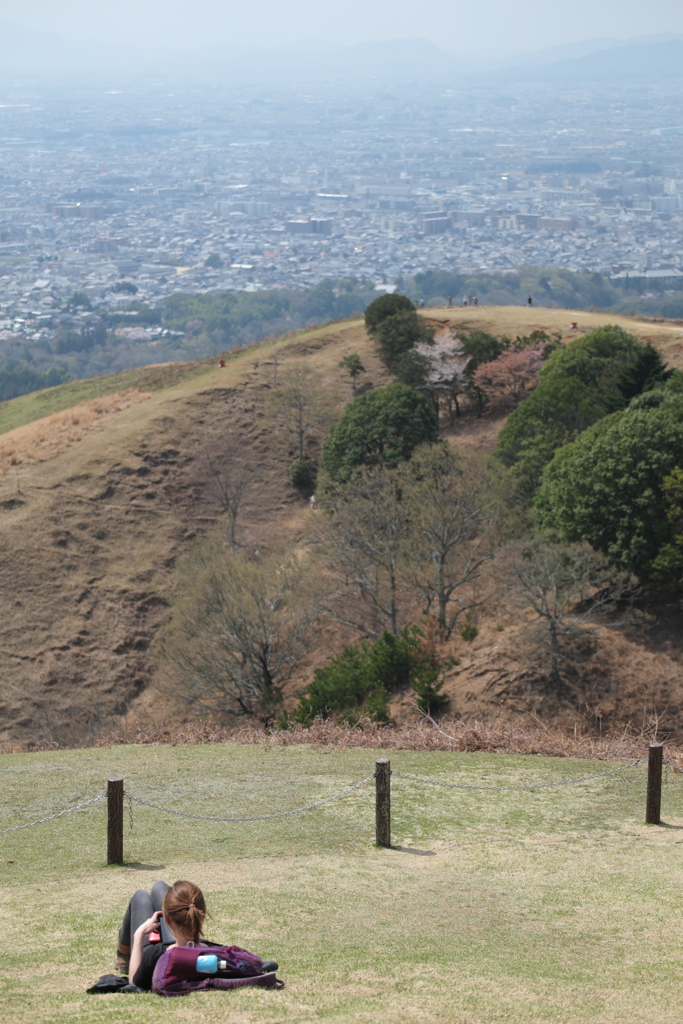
{"points": [[100, 572], [45, 438], [529, 736]]}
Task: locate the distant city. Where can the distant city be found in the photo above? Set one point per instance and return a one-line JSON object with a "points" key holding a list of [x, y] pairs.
{"points": [[199, 189]]}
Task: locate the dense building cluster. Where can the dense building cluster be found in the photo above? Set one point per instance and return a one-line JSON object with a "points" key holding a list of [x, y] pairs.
{"points": [[202, 189]]}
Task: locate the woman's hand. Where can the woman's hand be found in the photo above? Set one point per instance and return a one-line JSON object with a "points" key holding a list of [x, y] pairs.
{"points": [[149, 925], [136, 952]]}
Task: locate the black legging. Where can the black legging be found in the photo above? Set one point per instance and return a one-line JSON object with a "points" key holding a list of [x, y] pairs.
{"points": [[142, 905]]}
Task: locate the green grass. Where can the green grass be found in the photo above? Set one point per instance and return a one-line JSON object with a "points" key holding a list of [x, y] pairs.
{"points": [[541, 906], [26, 408]]}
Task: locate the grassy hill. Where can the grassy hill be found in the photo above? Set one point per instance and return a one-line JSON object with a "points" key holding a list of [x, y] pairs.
{"points": [[98, 498], [527, 906]]}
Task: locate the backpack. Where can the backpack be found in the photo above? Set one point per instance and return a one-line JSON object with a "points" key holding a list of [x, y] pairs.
{"points": [[175, 972]]}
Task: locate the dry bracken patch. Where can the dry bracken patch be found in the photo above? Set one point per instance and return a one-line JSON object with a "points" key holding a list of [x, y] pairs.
{"points": [[45, 438]]}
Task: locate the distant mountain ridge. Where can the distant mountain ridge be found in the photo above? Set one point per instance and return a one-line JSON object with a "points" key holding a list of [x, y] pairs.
{"points": [[637, 60], [24, 50]]}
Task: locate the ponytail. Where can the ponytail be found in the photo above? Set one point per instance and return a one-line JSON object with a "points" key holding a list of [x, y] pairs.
{"points": [[185, 908]]}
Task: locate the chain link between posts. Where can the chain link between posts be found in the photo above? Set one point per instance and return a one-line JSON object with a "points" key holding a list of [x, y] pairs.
{"points": [[132, 797], [254, 817], [536, 785], [49, 817]]}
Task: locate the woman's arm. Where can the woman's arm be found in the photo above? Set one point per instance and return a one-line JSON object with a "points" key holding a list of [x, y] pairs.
{"points": [[136, 952]]}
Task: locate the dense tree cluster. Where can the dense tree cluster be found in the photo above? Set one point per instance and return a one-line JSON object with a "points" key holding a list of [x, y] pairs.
{"points": [[608, 487], [20, 378], [408, 525], [196, 325], [577, 386]]}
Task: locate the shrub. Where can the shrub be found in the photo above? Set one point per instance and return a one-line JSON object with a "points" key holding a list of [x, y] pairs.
{"points": [[427, 687], [300, 473], [360, 680], [470, 631], [347, 687]]}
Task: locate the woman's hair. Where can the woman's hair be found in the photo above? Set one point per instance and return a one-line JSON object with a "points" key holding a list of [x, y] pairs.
{"points": [[185, 908]]}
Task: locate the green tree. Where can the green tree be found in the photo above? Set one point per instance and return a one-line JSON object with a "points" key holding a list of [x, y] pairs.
{"points": [[576, 387], [321, 300], [482, 348], [397, 335], [553, 414], [382, 427], [17, 378], [668, 564], [412, 368], [213, 261], [608, 486], [383, 307], [646, 372], [353, 365], [79, 300], [597, 359]]}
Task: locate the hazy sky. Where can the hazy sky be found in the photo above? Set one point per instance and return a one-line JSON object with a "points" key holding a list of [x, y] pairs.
{"points": [[477, 27]]}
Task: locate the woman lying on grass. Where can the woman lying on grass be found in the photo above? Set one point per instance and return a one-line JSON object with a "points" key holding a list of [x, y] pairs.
{"points": [[154, 922], [144, 934]]}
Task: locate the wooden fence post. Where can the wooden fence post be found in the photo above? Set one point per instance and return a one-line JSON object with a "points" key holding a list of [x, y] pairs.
{"points": [[115, 821], [654, 784], [383, 802]]}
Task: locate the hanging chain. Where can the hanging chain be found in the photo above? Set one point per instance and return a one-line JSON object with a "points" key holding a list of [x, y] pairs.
{"points": [[536, 785], [254, 817]]}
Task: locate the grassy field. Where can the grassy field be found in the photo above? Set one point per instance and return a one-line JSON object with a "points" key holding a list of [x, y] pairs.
{"points": [[554, 905]]}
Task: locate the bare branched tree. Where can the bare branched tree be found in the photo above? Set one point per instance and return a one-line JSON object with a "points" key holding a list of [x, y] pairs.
{"points": [[563, 588], [239, 635], [300, 404], [450, 512], [362, 536], [226, 479]]}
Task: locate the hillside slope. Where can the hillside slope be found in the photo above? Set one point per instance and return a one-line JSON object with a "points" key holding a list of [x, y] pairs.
{"points": [[89, 537]]}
